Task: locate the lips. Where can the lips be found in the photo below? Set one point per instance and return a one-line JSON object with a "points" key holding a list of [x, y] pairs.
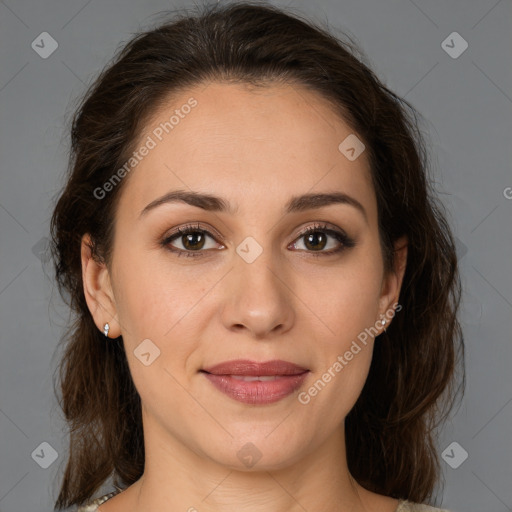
{"points": [[256, 383], [254, 369]]}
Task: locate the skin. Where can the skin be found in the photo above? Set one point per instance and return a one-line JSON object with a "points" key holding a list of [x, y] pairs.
{"points": [[256, 149]]}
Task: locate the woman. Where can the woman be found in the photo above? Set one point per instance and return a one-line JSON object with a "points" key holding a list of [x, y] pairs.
{"points": [[265, 287]]}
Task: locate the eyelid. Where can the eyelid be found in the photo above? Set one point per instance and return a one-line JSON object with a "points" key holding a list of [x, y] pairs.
{"points": [[331, 230], [322, 226], [195, 226]]}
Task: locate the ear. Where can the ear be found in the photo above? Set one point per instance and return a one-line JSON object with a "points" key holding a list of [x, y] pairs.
{"points": [[98, 290], [392, 282]]}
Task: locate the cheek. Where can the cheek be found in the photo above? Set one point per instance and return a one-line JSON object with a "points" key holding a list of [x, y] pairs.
{"points": [[161, 303], [345, 300], [340, 371], [155, 307], [154, 296]]}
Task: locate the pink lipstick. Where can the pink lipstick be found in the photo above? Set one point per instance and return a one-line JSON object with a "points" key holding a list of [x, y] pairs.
{"points": [[256, 383]]}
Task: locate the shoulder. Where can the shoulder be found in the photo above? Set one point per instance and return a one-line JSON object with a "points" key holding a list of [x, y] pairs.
{"points": [[407, 506], [93, 506]]}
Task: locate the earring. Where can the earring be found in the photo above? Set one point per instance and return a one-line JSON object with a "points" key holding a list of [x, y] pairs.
{"points": [[383, 323], [106, 328]]}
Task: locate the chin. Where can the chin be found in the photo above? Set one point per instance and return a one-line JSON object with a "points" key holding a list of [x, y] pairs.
{"points": [[258, 452]]}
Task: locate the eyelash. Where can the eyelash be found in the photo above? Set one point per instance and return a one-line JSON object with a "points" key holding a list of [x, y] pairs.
{"points": [[345, 241]]}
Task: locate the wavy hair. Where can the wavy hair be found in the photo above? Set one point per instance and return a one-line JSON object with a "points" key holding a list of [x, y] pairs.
{"points": [[416, 371]]}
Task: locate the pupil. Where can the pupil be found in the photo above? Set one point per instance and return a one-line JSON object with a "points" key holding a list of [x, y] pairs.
{"points": [[314, 237], [189, 240]]}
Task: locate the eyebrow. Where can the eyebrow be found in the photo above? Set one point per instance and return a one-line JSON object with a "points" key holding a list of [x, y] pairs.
{"points": [[213, 203]]}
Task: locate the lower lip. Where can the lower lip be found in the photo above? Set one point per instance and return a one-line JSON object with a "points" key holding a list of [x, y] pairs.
{"points": [[257, 392]]}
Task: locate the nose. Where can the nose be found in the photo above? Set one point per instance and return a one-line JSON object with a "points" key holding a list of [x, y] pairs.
{"points": [[258, 297]]}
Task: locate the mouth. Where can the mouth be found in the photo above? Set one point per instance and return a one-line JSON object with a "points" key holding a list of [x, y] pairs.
{"points": [[256, 383]]}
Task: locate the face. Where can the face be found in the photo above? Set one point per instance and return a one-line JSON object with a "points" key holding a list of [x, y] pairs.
{"points": [[285, 265]]}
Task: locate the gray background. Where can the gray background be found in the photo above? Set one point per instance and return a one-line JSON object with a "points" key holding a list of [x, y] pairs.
{"points": [[467, 102]]}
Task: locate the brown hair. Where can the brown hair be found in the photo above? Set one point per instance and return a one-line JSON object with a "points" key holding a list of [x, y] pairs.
{"points": [[412, 384]]}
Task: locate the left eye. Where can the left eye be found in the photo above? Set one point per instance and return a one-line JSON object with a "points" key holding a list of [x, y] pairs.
{"points": [[316, 239]]}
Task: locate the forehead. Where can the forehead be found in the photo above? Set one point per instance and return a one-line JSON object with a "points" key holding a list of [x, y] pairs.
{"points": [[246, 143]]}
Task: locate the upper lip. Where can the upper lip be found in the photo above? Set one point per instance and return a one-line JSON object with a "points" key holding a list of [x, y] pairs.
{"points": [[254, 368]]}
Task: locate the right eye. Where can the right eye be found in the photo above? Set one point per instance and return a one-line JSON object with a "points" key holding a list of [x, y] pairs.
{"points": [[192, 240]]}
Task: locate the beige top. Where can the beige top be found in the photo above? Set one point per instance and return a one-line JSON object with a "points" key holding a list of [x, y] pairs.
{"points": [[403, 506]]}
